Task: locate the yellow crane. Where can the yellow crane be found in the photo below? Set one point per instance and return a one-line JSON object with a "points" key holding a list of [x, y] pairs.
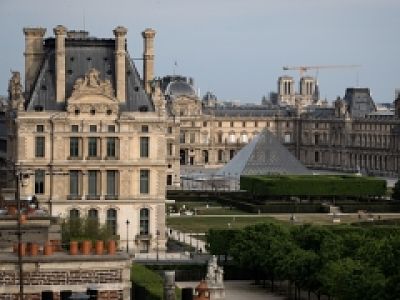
{"points": [[303, 69]]}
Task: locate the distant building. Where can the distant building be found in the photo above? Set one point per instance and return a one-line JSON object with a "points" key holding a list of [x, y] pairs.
{"points": [[350, 134]]}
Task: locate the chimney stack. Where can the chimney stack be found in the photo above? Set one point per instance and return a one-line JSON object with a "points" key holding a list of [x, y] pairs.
{"points": [[33, 54], [60, 32], [120, 57], [148, 58]]}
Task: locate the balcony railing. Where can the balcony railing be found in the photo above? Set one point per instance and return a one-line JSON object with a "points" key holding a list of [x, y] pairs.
{"points": [[111, 158], [111, 197], [93, 197], [143, 237], [93, 157], [74, 197], [79, 157]]}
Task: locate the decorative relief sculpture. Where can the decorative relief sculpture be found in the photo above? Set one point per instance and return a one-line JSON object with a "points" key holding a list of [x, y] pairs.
{"points": [[92, 85], [15, 91]]}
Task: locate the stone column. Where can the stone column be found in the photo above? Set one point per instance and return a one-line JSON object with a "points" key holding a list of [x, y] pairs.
{"points": [[33, 54], [148, 58], [120, 66], [169, 285], [60, 33]]}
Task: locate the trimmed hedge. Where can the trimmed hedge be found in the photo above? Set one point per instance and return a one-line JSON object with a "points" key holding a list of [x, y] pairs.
{"points": [[282, 207], [370, 207], [152, 283], [313, 185]]}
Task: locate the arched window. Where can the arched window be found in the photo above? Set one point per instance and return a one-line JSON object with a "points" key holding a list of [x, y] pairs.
{"points": [[74, 214], [144, 221], [93, 215], [112, 220]]}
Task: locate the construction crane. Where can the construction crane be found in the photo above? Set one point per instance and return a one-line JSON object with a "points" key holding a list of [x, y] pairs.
{"points": [[303, 69]]}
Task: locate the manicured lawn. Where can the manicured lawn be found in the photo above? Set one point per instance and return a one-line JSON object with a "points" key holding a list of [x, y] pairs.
{"points": [[203, 224]]}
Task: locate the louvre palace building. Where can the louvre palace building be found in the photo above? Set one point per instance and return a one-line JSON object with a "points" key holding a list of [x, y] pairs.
{"points": [[88, 134], [94, 138], [351, 135]]}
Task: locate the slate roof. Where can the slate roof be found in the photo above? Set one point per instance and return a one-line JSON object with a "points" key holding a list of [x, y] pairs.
{"points": [[81, 55]]}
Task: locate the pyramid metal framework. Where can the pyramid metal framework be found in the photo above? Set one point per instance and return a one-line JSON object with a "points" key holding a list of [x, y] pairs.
{"points": [[265, 155]]}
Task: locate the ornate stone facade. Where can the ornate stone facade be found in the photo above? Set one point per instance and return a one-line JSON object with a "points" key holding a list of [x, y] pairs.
{"points": [[89, 138], [349, 135]]}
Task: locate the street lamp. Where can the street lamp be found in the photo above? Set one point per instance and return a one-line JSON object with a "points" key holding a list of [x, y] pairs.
{"points": [[127, 235], [158, 235]]}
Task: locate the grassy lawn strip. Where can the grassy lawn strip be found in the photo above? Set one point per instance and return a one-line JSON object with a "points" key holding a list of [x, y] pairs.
{"points": [[203, 224], [150, 280]]}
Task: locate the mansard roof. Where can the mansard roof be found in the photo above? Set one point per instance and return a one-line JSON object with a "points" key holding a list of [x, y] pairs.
{"points": [[83, 53]]}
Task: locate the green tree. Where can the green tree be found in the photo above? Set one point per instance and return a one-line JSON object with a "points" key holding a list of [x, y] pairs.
{"points": [[260, 248], [219, 241], [396, 191], [84, 229], [348, 279]]}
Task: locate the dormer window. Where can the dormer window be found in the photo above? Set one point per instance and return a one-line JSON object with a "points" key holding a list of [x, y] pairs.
{"points": [[92, 112], [109, 111]]}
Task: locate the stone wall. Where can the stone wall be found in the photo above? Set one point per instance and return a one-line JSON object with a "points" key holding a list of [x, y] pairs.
{"points": [[108, 274]]}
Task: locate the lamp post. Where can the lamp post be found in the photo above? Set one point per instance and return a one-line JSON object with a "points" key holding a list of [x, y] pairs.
{"points": [[157, 236], [127, 235], [19, 234]]}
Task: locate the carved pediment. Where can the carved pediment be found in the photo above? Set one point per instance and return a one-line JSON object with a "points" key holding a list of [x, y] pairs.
{"points": [[92, 93], [92, 84]]}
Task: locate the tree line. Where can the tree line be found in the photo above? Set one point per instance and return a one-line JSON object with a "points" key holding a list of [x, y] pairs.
{"points": [[343, 262]]}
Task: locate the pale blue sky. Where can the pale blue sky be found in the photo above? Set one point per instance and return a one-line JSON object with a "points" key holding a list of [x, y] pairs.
{"points": [[234, 48]]}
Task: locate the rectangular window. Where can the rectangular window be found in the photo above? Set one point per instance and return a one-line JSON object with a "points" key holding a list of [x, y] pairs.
{"points": [[169, 179], [92, 183], [39, 181], [170, 149], [192, 137], [74, 128], [111, 128], [39, 146], [112, 183], [169, 129], [92, 147], [74, 183], [144, 181], [145, 128], [144, 146], [39, 128], [74, 147], [93, 128], [111, 147], [182, 137], [3, 146]]}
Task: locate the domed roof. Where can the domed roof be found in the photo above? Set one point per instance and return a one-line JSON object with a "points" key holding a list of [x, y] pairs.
{"points": [[180, 88]]}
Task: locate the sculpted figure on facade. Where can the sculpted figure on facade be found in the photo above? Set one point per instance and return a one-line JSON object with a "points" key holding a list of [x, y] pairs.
{"points": [[15, 91], [92, 84]]}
